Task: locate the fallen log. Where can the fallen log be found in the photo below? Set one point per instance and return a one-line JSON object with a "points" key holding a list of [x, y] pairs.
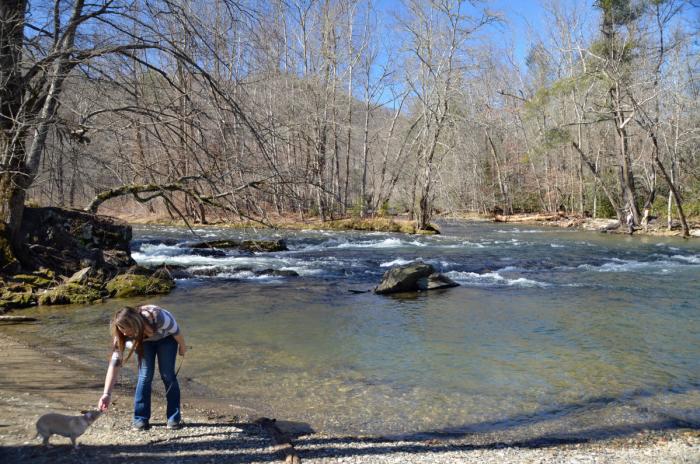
{"points": [[526, 217], [17, 319]]}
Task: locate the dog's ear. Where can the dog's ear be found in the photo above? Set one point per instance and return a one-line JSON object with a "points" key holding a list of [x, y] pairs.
{"points": [[91, 415], [84, 411]]}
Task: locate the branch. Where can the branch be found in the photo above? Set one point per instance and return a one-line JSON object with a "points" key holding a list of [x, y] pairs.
{"points": [[159, 189]]}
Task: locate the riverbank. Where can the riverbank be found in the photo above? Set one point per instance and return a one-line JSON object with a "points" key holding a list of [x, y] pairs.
{"points": [[34, 381], [376, 224], [403, 225]]}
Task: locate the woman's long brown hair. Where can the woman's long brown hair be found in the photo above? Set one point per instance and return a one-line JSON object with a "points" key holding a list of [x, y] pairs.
{"points": [[128, 318]]}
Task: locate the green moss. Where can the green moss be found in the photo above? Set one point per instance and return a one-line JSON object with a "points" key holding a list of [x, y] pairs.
{"points": [[17, 296], [70, 293], [36, 281], [127, 285]]}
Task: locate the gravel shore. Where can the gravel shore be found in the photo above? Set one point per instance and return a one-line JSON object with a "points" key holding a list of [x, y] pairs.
{"points": [[33, 382]]}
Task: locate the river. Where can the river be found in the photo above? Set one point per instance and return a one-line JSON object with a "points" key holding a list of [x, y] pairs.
{"points": [[551, 330]]}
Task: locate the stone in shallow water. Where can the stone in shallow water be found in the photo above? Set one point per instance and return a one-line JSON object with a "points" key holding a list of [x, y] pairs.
{"points": [[412, 277]]}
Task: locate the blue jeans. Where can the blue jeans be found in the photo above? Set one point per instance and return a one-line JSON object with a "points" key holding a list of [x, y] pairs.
{"points": [[166, 351]]}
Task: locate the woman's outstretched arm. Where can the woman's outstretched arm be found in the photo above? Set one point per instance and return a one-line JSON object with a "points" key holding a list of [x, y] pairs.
{"points": [[112, 373]]}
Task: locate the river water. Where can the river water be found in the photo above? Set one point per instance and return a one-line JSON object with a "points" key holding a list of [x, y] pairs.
{"points": [[550, 331]]}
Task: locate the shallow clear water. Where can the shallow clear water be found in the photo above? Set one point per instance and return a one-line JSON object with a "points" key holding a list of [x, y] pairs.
{"points": [[548, 326]]}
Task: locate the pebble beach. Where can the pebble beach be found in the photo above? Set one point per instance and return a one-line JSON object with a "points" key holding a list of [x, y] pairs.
{"points": [[34, 382]]}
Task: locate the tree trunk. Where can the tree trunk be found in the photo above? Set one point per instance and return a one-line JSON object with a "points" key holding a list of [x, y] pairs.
{"points": [[11, 131]]}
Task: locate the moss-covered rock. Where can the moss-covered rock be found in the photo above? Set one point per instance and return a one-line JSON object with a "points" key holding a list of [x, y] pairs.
{"points": [[36, 281], [139, 270], [264, 245], [16, 296], [127, 285], [70, 293]]}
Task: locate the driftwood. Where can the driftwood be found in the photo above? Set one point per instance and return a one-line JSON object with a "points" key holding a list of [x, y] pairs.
{"points": [[526, 217], [17, 319], [280, 440]]}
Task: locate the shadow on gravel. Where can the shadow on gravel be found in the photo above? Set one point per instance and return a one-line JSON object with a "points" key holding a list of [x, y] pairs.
{"points": [[252, 444], [250, 447], [254, 447]]}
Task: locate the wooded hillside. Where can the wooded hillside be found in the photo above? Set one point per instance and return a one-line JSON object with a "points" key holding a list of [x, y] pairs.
{"points": [[329, 108]]}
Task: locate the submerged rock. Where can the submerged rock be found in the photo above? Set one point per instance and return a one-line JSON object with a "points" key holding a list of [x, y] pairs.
{"points": [[208, 252], [277, 273], [209, 271], [216, 244], [245, 245], [173, 271], [412, 277]]}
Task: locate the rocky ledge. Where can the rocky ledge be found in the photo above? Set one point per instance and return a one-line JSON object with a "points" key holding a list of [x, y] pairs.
{"points": [[73, 257]]}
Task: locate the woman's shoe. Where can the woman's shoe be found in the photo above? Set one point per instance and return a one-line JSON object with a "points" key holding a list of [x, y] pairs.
{"points": [[141, 425], [172, 425]]}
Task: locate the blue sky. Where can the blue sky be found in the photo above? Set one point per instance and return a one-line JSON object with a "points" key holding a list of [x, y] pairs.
{"points": [[521, 19]]}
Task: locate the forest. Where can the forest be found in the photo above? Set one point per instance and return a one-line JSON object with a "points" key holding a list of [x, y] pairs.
{"points": [[229, 110]]}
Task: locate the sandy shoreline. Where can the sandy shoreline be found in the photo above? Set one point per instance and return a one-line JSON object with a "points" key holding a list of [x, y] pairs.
{"points": [[33, 382]]}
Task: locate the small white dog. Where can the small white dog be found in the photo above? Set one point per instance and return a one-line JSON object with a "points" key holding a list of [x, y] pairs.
{"points": [[67, 426]]}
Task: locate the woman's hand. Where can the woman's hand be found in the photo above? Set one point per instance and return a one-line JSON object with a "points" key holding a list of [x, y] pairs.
{"points": [[103, 404], [181, 347]]}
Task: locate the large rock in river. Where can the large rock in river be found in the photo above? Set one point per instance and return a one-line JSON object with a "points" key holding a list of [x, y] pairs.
{"points": [[413, 277]]}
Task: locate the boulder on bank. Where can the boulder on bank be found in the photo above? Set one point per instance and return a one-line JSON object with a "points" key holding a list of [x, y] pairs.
{"points": [[67, 241], [84, 287], [413, 277], [71, 293], [41, 278], [17, 295]]}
